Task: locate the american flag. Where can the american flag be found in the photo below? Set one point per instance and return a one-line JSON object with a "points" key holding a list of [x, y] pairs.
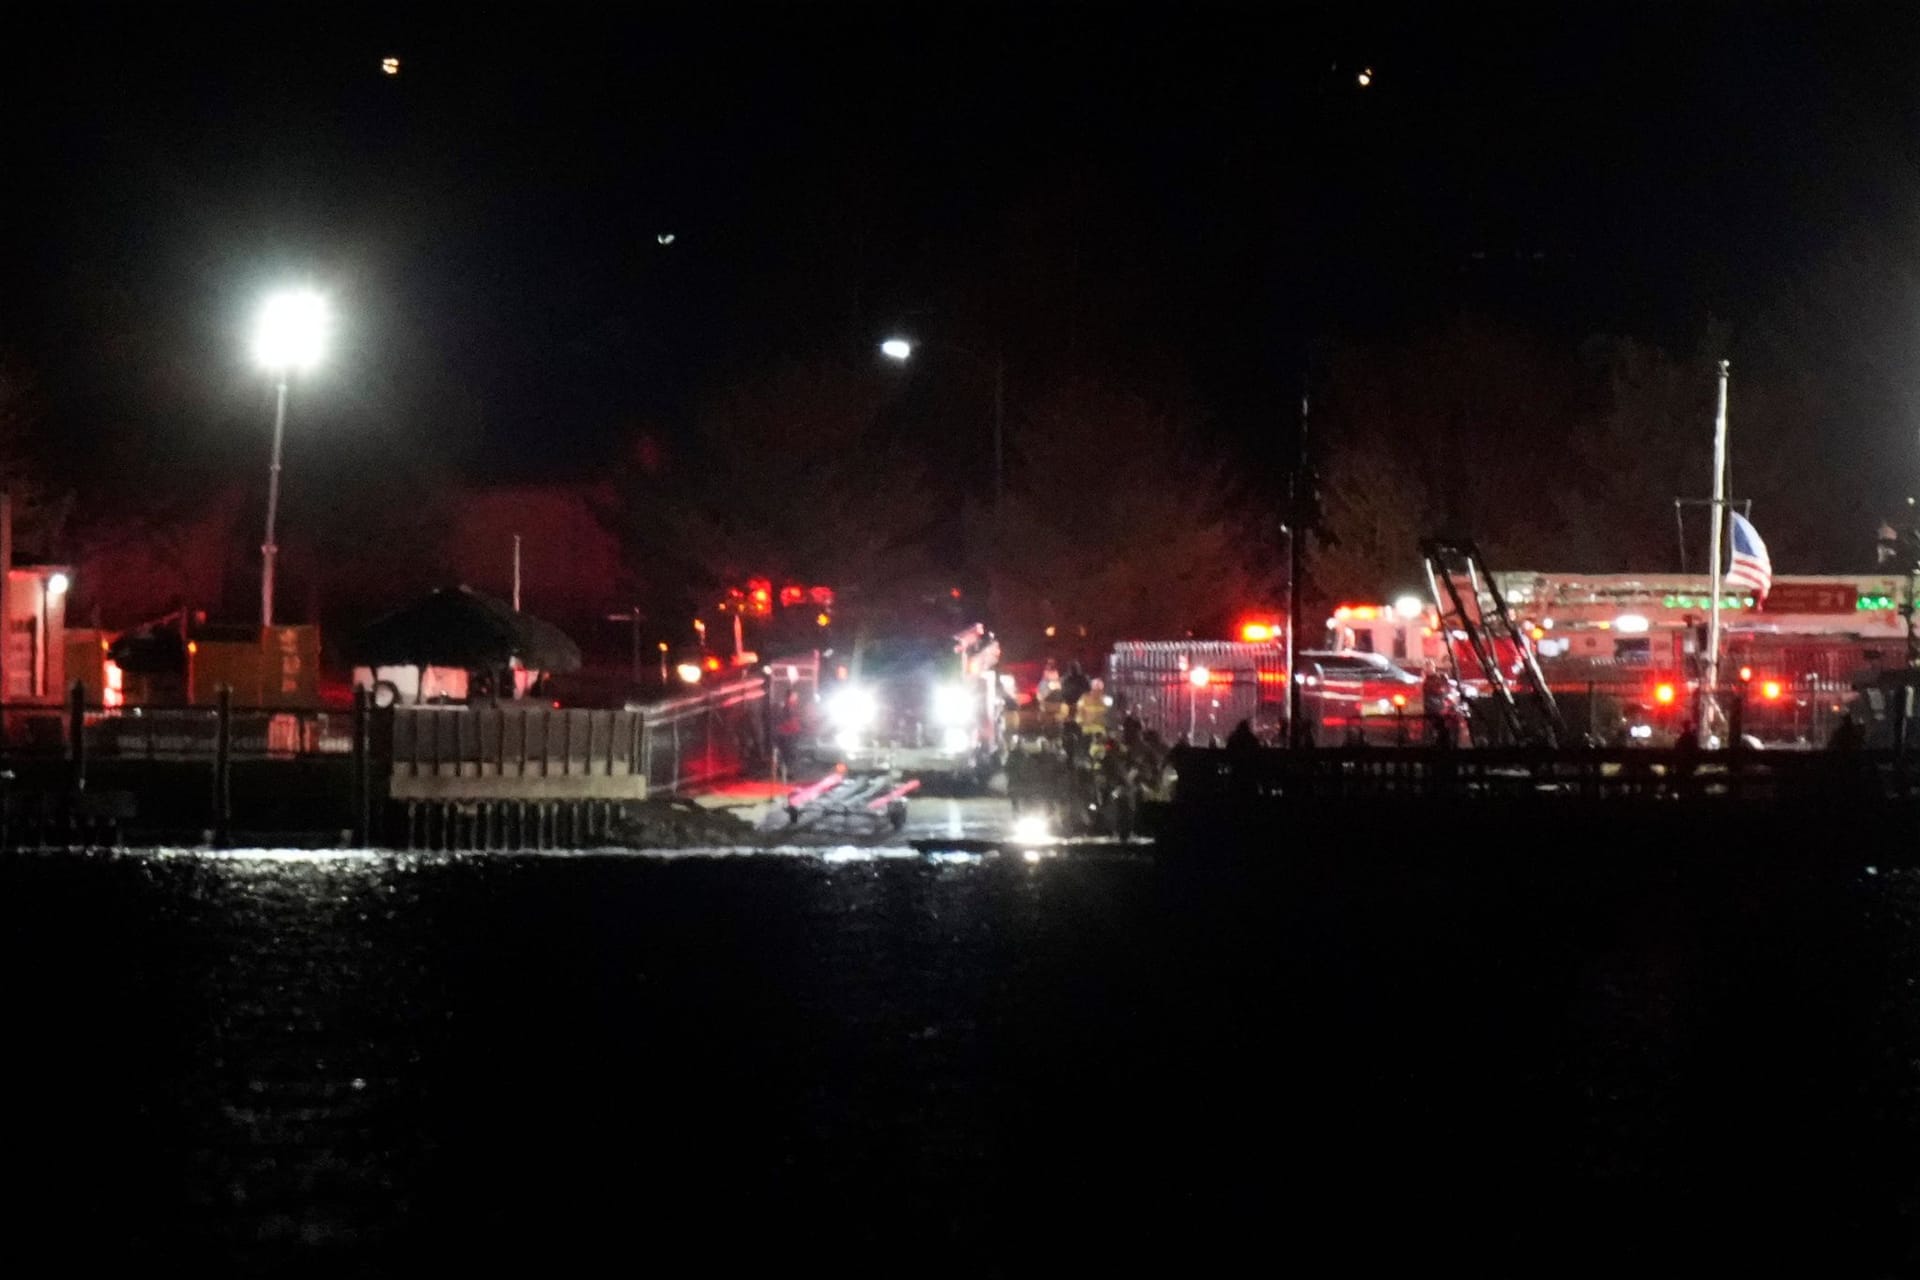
{"points": [[1750, 566]]}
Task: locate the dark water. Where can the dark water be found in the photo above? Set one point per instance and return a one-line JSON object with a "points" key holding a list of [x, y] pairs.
{"points": [[365, 1065]]}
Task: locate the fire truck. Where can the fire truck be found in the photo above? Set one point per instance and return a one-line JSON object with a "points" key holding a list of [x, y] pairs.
{"points": [[924, 706], [1791, 662]]}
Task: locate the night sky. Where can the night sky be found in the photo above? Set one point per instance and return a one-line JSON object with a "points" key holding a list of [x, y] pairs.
{"points": [[1205, 191]]}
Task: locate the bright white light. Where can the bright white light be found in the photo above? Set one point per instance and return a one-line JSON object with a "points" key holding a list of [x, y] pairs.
{"points": [[896, 348], [291, 332], [852, 707], [665, 237], [1031, 855], [689, 672], [1031, 827], [1198, 677], [1365, 77], [1641, 731], [1631, 624], [57, 584], [847, 740], [1408, 607], [955, 740], [390, 65], [952, 705]]}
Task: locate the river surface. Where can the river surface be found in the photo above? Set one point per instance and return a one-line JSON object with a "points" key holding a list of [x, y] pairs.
{"points": [[365, 1064]]}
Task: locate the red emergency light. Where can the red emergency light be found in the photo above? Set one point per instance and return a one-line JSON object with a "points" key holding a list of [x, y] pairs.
{"points": [[1663, 694], [1259, 632], [1770, 690]]}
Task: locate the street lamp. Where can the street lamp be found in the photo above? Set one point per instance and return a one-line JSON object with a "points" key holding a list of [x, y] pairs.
{"points": [[901, 349], [288, 338]]}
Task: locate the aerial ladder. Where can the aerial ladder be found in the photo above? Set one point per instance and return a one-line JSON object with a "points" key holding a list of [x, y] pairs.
{"points": [[1471, 607]]}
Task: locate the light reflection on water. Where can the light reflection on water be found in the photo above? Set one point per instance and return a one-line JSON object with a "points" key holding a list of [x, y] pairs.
{"points": [[337, 1053]]}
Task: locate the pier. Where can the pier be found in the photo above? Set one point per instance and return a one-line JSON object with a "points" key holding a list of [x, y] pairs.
{"points": [[500, 776]]}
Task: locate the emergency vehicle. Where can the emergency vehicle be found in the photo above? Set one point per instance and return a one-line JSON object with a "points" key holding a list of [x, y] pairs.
{"points": [[1791, 661], [921, 706]]}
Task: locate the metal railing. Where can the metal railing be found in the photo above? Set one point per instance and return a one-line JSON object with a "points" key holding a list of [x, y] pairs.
{"points": [[706, 737], [172, 733]]}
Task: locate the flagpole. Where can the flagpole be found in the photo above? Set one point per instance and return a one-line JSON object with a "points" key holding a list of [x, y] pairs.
{"points": [[1708, 705]]}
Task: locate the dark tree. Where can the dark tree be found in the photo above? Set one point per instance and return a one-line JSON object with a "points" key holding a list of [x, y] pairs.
{"points": [[1119, 523]]}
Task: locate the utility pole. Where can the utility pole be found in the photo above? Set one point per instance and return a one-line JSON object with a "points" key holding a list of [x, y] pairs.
{"points": [[1296, 519], [516, 573]]}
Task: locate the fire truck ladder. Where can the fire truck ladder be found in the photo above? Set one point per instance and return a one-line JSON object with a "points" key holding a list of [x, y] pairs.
{"points": [[1452, 564]]}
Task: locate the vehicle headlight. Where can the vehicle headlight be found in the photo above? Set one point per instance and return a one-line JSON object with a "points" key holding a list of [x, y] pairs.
{"points": [[952, 704], [852, 707]]}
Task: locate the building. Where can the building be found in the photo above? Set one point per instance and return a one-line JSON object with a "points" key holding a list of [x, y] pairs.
{"points": [[33, 668]]}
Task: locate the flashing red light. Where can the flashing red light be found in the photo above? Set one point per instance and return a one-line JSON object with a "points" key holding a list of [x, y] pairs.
{"points": [[712, 663], [1770, 690], [790, 596], [1663, 694], [1256, 632], [955, 593], [1343, 612], [821, 596], [1399, 699], [1366, 613]]}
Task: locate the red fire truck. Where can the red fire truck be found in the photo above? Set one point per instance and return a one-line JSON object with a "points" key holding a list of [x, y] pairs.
{"points": [[1790, 661]]}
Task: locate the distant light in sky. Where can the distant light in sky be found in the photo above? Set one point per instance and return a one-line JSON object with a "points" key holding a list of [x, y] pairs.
{"points": [[896, 348], [1365, 77], [665, 237], [390, 65]]}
